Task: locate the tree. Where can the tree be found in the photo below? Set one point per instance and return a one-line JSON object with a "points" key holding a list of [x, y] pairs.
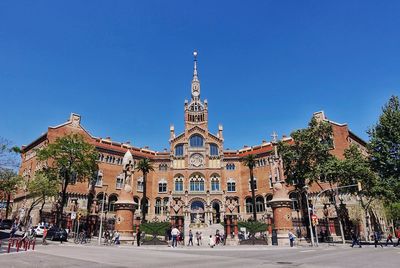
{"points": [[40, 189], [70, 158], [250, 162], [9, 182], [384, 147], [8, 154], [307, 158], [145, 167]]}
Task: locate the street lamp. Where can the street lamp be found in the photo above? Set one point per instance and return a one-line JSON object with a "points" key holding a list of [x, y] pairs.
{"points": [[101, 215], [309, 216]]}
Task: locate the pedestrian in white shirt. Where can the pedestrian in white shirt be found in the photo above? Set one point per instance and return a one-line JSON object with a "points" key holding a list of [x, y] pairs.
{"points": [[175, 233]]}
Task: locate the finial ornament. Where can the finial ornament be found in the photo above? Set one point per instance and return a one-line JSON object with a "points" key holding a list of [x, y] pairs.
{"points": [[195, 54], [274, 137]]}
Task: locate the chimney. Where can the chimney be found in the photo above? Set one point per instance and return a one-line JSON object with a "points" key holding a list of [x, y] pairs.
{"points": [[220, 129], [171, 132]]}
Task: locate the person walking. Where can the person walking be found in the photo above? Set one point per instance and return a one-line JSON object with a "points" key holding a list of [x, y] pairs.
{"points": [[291, 238], [211, 242], [377, 238], [355, 240], [389, 238], [175, 233], [190, 238], [138, 236], [44, 242], [397, 232]]}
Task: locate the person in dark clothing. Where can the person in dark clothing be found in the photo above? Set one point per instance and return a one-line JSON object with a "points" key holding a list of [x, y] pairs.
{"points": [[138, 235], [190, 238], [377, 238], [355, 239], [389, 238]]}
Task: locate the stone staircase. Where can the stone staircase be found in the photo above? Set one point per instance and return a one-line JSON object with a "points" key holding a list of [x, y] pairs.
{"points": [[205, 233]]}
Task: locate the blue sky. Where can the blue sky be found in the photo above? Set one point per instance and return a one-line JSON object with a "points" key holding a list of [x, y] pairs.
{"points": [[126, 66]]}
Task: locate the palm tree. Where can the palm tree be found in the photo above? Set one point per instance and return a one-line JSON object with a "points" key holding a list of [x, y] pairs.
{"points": [[250, 162], [145, 167]]}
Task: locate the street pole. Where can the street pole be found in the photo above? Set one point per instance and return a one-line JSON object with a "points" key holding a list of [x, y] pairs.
{"points": [[101, 216], [309, 220]]}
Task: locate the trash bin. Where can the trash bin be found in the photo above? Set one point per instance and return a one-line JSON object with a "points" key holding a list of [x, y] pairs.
{"points": [[274, 237]]}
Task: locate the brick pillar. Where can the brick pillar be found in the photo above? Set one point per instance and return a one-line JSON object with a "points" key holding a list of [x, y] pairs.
{"points": [[125, 207], [228, 225], [282, 211]]}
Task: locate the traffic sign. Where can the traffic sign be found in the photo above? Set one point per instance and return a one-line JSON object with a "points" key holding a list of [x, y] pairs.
{"points": [[73, 215]]}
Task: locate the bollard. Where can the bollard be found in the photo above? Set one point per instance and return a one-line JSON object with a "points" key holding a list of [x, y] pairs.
{"points": [[9, 245]]}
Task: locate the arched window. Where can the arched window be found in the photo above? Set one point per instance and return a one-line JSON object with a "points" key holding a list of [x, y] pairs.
{"points": [[260, 204], [100, 198], [215, 183], [111, 202], [140, 184], [213, 149], [231, 185], [165, 205], [268, 198], [179, 150], [179, 184], [196, 141], [120, 181], [197, 184], [255, 184], [162, 186], [157, 207], [295, 201], [99, 179], [249, 205]]}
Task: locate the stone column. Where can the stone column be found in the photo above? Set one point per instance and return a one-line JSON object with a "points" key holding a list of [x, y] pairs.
{"points": [[125, 207], [281, 207]]}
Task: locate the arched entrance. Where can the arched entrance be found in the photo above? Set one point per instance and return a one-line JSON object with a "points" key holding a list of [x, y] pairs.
{"points": [[197, 212], [216, 212]]}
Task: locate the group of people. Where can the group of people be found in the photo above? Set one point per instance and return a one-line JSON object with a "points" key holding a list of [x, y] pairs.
{"points": [[377, 237], [111, 237], [175, 237]]}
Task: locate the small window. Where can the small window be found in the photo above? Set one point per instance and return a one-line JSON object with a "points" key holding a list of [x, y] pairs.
{"points": [[163, 167], [158, 207], [165, 205], [255, 184], [231, 185], [111, 202], [119, 182], [215, 184], [99, 179], [140, 185], [230, 166], [260, 204], [197, 185], [293, 197], [162, 187], [179, 150], [179, 184], [268, 199], [213, 149]]}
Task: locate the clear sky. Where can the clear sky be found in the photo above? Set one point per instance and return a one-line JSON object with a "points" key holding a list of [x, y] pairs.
{"points": [[126, 66]]}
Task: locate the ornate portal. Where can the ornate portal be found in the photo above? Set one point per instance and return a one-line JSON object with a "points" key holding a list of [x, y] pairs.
{"points": [[197, 160]]}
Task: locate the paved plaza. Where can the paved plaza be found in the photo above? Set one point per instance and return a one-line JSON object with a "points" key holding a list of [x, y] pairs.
{"points": [[71, 255]]}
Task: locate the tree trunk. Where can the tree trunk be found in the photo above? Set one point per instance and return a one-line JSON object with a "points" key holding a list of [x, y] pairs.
{"points": [[8, 204], [41, 210], [63, 200], [144, 199], [253, 195]]}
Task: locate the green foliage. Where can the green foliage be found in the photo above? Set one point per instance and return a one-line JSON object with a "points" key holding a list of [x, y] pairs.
{"points": [[306, 158], [253, 226], [42, 187], [9, 155], [70, 157], [9, 181], [158, 228], [393, 211], [384, 148], [144, 165]]}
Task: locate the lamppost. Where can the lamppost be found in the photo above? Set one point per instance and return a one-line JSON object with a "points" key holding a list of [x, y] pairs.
{"points": [[309, 216], [101, 215]]}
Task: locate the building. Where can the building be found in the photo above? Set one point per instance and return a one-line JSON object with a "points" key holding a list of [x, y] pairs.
{"points": [[196, 180]]}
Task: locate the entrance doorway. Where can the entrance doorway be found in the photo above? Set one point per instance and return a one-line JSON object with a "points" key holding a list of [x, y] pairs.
{"points": [[197, 212], [216, 212]]}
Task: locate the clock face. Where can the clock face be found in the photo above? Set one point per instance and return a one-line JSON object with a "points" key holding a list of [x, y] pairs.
{"points": [[195, 93]]}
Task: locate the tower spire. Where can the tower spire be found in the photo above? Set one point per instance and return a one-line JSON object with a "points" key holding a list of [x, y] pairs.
{"points": [[195, 80]]}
